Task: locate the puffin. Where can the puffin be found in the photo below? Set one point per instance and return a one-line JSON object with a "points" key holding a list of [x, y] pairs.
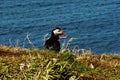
{"points": [[53, 42]]}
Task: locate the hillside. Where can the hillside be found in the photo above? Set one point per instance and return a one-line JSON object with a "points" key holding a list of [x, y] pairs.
{"points": [[35, 64]]}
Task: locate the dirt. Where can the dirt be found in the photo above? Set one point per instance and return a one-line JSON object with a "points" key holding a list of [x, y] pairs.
{"points": [[5, 53]]}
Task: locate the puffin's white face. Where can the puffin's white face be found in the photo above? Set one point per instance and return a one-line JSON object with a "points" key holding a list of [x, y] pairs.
{"points": [[58, 32]]}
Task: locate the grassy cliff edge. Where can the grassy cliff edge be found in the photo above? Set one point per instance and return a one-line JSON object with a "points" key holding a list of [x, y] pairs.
{"points": [[35, 64]]}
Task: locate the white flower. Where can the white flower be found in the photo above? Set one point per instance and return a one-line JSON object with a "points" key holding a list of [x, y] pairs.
{"points": [[92, 66], [28, 65], [22, 65]]}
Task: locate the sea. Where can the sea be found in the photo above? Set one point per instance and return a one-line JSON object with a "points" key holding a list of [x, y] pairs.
{"points": [[91, 24]]}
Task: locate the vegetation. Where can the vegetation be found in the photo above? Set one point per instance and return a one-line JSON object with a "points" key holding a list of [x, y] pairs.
{"points": [[35, 64]]}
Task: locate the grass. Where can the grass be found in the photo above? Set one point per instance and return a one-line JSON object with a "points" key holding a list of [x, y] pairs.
{"points": [[35, 64]]}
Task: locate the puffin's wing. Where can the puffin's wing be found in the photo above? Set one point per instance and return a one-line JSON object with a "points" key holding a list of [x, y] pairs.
{"points": [[57, 46], [49, 45], [46, 45]]}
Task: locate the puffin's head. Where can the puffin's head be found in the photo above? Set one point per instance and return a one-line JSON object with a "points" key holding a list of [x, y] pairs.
{"points": [[57, 31]]}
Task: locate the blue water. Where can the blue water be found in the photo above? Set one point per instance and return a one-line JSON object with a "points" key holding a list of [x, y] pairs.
{"points": [[94, 23]]}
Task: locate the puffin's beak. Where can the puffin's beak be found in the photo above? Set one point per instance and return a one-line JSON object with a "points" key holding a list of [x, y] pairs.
{"points": [[63, 35]]}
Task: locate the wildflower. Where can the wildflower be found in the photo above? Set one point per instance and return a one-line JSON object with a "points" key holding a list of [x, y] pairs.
{"points": [[22, 65], [28, 65], [54, 60], [92, 66]]}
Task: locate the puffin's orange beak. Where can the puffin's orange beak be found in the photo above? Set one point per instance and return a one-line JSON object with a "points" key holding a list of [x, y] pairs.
{"points": [[62, 34]]}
